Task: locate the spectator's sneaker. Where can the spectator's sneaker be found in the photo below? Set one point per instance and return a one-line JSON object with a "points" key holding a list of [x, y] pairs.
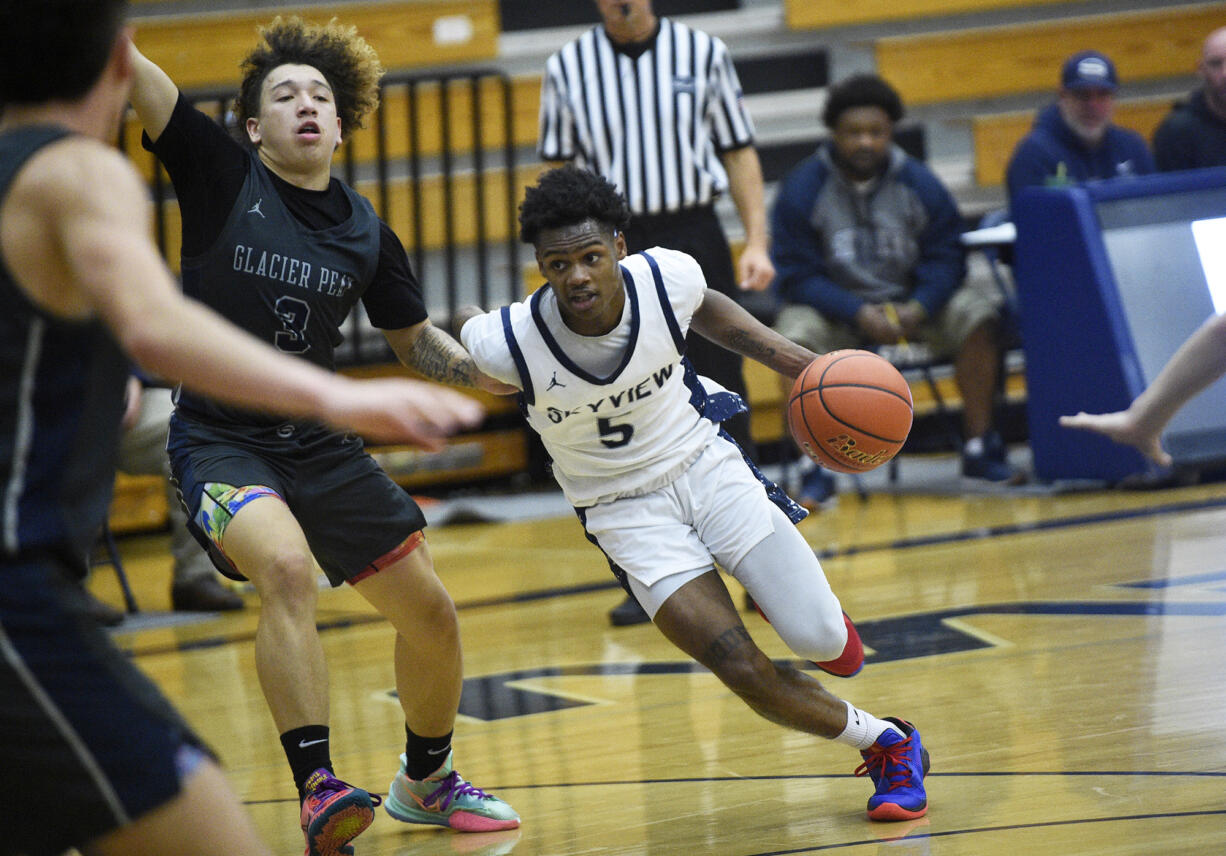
{"points": [[444, 799], [333, 814], [816, 488], [992, 464], [897, 764], [851, 661]]}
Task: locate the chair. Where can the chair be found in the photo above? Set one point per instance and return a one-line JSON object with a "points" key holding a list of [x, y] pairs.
{"points": [[105, 545], [918, 359]]}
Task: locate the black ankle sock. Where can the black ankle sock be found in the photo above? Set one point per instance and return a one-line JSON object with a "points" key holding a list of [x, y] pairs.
{"points": [[424, 755], [307, 749]]}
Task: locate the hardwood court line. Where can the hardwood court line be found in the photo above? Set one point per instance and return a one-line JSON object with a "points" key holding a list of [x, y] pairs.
{"points": [[1005, 828], [812, 777], [975, 534], [933, 620], [1171, 582], [808, 777], [980, 533]]}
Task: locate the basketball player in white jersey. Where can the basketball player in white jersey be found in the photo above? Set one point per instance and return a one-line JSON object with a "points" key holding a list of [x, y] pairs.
{"points": [[662, 490]]}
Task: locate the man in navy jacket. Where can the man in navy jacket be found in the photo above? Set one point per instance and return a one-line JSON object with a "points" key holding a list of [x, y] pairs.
{"points": [[1074, 139]]}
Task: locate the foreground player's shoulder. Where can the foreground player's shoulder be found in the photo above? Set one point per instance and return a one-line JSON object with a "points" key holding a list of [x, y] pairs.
{"points": [[82, 176], [79, 182]]}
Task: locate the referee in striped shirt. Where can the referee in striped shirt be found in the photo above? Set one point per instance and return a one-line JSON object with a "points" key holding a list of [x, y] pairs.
{"points": [[655, 107]]}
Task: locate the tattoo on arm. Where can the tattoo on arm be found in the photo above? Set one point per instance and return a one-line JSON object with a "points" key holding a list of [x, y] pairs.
{"points": [[747, 345], [439, 357], [725, 645]]}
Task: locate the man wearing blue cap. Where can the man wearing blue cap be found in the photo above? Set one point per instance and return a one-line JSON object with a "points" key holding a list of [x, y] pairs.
{"points": [[1074, 140]]}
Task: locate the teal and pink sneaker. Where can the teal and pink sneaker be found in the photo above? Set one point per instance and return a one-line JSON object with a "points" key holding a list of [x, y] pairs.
{"points": [[334, 813], [445, 799], [897, 764]]}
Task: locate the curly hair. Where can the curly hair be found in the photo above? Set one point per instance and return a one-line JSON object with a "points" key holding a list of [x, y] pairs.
{"points": [[346, 60], [861, 90], [566, 196]]}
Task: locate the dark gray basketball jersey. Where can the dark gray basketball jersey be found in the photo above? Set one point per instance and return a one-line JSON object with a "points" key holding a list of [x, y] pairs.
{"points": [[286, 284], [61, 399]]}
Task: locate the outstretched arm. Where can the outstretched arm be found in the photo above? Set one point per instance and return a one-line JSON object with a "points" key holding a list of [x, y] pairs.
{"points": [[153, 95], [1199, 362], [432, 353], [725, 323], [76, 238]]}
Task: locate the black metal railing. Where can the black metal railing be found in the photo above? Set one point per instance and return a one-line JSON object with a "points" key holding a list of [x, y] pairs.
{"points": [[479, 266]]}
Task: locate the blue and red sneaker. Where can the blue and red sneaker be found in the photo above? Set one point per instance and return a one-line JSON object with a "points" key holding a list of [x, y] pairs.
{"points": [[334, 813], [897, 764]]}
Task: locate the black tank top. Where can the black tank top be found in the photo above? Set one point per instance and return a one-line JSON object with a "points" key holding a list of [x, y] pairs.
{"points": [[63, 387], [286, 284]]}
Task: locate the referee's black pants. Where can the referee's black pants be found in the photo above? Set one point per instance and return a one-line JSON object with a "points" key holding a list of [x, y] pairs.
{"points": [[696, 231]]}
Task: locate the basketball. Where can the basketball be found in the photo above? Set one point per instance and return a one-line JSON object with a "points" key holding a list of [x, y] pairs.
{"points": [[850, 411]]}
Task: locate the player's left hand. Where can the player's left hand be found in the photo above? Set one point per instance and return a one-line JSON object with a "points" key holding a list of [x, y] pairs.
{"points": [[755, 269]]}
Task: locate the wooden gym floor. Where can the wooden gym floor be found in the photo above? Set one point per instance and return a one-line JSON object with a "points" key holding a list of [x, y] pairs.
{"points": [[1061, 655]]}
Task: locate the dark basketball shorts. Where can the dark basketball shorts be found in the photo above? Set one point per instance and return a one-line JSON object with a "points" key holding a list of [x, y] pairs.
{"points": [[355, 518], [89, 743]]}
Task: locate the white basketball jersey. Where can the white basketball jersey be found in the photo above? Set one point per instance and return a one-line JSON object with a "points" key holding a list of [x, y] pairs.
{"points": [[624, 432]]}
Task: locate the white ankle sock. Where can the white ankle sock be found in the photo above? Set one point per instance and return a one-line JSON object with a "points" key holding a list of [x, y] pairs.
{"points": [[862, 729], [973, 447]]}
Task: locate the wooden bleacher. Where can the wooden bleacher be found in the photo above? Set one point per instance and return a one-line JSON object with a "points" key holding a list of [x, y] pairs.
{"points": [[139, 504], [463, 209], [810, 15], [203, 50], [525, 106], [991, 62], [997, 135]]}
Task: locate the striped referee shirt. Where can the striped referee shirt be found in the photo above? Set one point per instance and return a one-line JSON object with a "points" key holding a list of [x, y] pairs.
{"points": [[652, 125]]}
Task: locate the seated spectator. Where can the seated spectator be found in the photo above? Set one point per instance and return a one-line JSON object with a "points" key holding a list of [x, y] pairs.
{"points": [[195, 584], [1074, 139], [867, 249], [1193, 135]]}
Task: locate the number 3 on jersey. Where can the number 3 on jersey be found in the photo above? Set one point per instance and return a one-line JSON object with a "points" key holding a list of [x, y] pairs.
{"points": [[293, 314], [614, 436]]}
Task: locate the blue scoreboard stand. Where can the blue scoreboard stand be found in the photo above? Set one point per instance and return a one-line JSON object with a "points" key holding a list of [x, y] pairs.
{"points": [[1112, 277]]}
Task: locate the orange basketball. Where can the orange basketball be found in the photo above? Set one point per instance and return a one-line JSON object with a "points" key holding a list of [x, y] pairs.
{"points": [[850, 411]]}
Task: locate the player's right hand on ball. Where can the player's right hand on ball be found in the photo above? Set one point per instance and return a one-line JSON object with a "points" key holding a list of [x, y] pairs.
{"points": [[398, 410]]}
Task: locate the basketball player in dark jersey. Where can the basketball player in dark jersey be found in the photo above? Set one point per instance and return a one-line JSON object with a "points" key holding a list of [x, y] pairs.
{"points": [[95, 757], [276, 244]]}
